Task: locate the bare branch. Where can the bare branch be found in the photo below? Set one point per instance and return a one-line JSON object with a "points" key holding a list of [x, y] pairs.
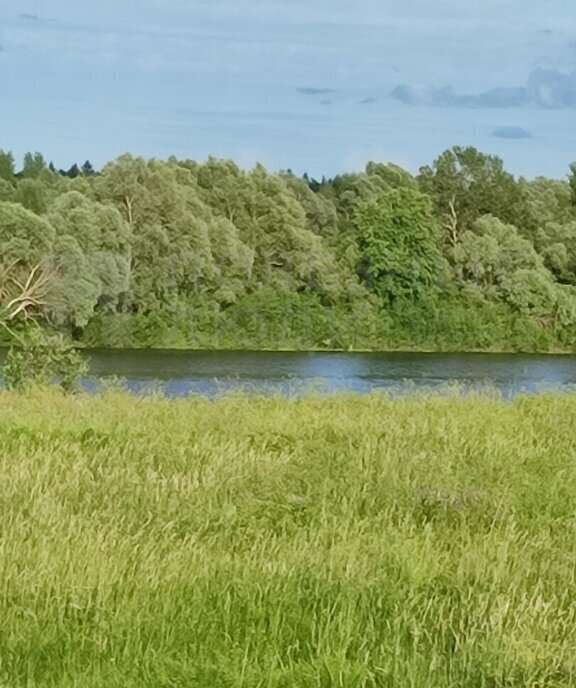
{"points": [[33, 292], [451, 221]]}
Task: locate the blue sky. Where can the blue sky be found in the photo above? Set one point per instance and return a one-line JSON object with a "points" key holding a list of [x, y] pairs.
{"points": [[318, 86]]}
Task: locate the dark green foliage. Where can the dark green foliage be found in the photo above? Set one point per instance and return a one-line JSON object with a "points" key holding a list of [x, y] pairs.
{"points": [[573, 183], [33, 195], [181, 253], [398, 237], [40, 357], [6, 166]]}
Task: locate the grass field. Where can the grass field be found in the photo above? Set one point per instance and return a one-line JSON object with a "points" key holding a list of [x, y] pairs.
{"points": [[249, 542]]}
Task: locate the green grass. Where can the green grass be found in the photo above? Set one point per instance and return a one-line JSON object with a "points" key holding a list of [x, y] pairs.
{"points": [[350, 541]]}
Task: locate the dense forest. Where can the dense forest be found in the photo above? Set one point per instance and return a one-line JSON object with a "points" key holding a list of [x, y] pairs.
{"points": [[176, 253]]}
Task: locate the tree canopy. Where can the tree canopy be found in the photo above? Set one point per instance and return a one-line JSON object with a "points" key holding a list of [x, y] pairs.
{"points": [[179, 252]]}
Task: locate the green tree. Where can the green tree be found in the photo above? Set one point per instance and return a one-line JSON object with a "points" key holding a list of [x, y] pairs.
{"points": [[7, 191], [23, 235], [398, 237], [6, 166], [321, 213], [557, 246], [39, 357], [122, 183], [572, 182], [542, 201], [465, 185], [33, 195], [492, 251], [393, 176], [93, 254], [530, 291], [272, 224], [34, 165]]}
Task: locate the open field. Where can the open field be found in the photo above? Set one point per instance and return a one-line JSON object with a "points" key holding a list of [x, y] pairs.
{"points": [[249, 542]]}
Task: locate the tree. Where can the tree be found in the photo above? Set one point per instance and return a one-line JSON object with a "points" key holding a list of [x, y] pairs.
{"points": [[40, 357], [33, 195], [6, 166], [35, 356], [465, 185], [87, 169], [321, 214], [492, 251], [392, 175], [122, 183], [556, 244], [572, 182], [23, 235], [272, 224], [93, 254], [7, 191], [398, 237], [542, 201], [72, 172], [34, 165], [347, 192], [530, 291]]}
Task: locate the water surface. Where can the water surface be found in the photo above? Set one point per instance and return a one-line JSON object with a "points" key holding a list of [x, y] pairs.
{"points": [[179, 373]]}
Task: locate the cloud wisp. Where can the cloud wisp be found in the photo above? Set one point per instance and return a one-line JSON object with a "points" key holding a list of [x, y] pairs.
{"points": [[311, 91], [513, 133], [545, 88]]}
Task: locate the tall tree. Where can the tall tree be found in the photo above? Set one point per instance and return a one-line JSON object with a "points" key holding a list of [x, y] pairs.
{"points": [[465, 185], [34, 165], [93, 253], [6, 166], [572, 181], [399, 239]]}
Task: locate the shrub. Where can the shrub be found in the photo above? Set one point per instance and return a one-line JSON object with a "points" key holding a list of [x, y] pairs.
{"points": [[41, 357]]}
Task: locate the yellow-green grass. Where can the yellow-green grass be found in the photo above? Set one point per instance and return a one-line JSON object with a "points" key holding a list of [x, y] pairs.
{"points": [[264, 542]]}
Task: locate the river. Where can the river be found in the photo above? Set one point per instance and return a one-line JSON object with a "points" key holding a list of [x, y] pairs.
{"points": [[180, 373]]}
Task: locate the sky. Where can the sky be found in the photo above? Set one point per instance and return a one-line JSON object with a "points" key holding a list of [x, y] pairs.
{"points": [[319, 87]]}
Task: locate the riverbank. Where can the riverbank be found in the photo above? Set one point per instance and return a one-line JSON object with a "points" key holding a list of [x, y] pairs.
{"points": [[304, 324], [447, 325], [354, 541]]}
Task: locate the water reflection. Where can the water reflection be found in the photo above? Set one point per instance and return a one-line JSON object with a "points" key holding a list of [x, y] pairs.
{"points": [[178, 373]]}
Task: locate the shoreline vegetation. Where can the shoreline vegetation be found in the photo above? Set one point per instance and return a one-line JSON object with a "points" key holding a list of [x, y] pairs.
{"points": [[265, 542], [320, 350], [461, 256]]}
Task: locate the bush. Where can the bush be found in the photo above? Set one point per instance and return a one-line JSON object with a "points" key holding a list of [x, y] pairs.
{"points": [[40, 357]]}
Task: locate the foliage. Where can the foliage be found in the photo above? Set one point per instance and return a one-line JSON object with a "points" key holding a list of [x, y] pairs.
{"points": [[23, 234], [37, 357], [492, 251], [397, 234], [466, 184], [182, 253], [92, 253], [572, 181], [7, 166]]}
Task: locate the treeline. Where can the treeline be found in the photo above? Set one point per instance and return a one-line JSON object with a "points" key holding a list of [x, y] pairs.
{"points": [[178, 253]]}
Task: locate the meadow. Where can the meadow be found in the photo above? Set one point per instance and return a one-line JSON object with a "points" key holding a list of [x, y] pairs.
{"points": [[252, 542]]}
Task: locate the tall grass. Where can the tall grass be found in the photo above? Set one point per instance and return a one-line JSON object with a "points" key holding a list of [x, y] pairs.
{"points": [[259, 542]]}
